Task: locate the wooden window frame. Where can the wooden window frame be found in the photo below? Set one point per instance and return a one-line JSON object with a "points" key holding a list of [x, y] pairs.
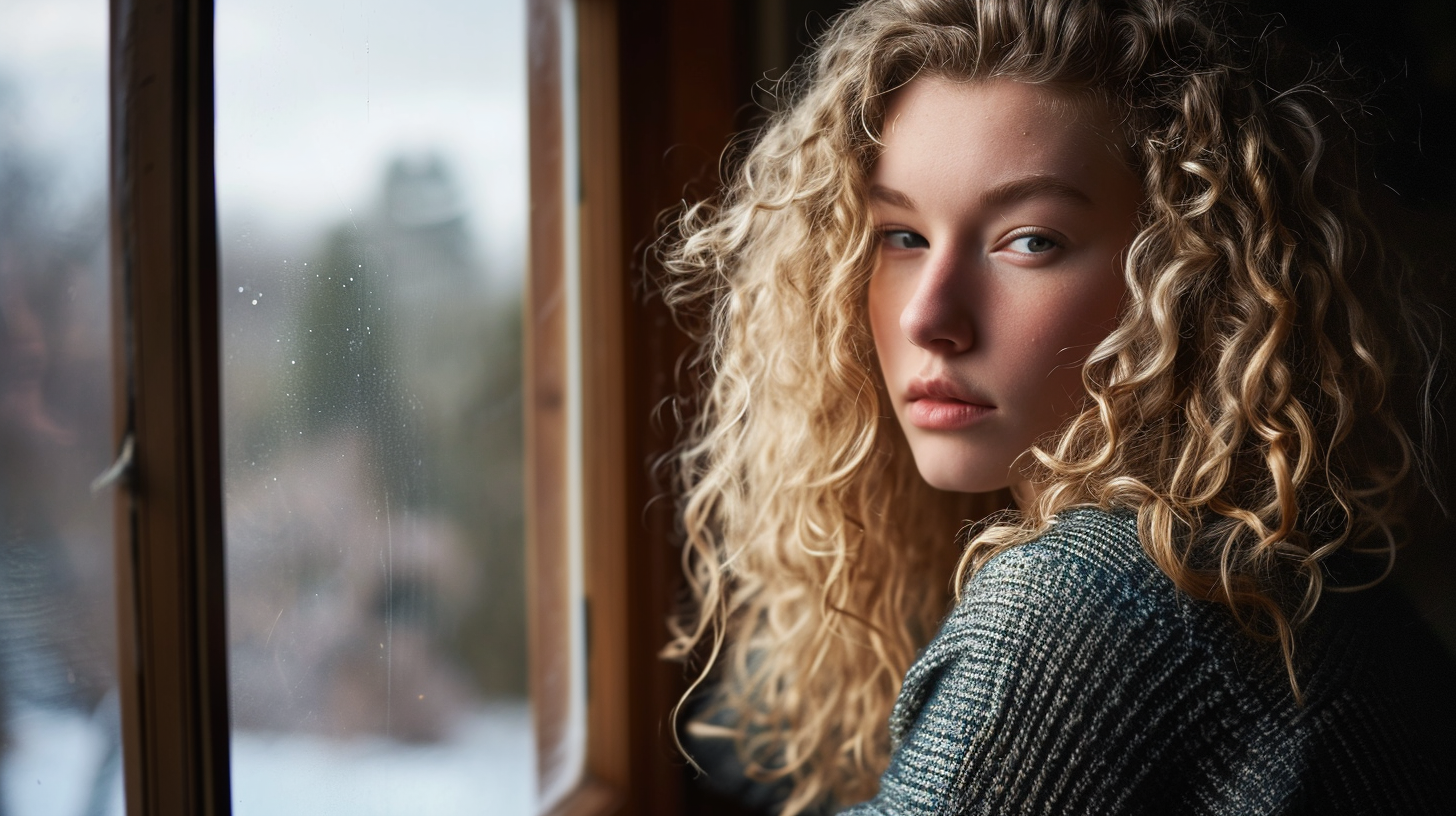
{"points": [[667, 74], [602, 784], [172, 642]]}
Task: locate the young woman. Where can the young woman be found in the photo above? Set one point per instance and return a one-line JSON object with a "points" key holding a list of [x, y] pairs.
{"points": [[1103, 264]]}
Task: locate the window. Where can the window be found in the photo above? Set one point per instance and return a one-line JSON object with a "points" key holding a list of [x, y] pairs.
{"points": [[203, 408], [192, 474], [59, 723], [372, 201]]}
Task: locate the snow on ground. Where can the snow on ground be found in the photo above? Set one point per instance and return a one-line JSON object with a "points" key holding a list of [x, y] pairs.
{"points": [[52, 764], [486, 769]]}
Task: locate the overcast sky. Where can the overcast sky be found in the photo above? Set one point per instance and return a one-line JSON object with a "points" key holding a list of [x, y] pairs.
{"points": [[314, 97], [53, 71]]}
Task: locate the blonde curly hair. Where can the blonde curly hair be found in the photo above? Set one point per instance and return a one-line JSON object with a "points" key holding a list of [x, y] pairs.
{"points": [[1243, 407]]}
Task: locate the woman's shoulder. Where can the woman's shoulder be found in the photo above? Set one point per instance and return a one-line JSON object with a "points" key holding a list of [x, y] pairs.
{"points": [[1060, 612], [1082, 612], [1074, 675], [1094, 536], [1069, 670], [1089, 565]]}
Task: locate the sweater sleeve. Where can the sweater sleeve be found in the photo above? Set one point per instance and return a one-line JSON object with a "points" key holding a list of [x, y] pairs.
{"points": [[1066, 681]]}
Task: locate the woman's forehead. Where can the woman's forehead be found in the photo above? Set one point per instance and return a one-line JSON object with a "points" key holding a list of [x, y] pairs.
{"points": [[943, 133]]}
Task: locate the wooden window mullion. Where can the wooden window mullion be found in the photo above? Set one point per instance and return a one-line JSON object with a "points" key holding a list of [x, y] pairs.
{"points": [[172, 640]]}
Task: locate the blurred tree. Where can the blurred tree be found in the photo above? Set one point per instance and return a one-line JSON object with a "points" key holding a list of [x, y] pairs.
{"points": [[397, 339]]}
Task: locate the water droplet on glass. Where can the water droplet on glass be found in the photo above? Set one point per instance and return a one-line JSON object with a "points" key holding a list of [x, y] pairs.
{"points": [[255, 301], [240, 290]]}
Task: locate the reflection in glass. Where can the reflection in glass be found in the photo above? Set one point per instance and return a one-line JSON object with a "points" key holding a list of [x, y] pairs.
{"points": [[372, 197], [59, 723]]}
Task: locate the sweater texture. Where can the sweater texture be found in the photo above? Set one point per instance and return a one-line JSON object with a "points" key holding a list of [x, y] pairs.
{"points": [[1074, 678]]}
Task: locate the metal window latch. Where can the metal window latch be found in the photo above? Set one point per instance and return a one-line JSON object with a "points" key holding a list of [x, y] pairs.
{"points": [[119, 471]]}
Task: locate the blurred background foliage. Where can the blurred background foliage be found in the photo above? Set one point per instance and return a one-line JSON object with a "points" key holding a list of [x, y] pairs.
{"points": [[377, 374]]}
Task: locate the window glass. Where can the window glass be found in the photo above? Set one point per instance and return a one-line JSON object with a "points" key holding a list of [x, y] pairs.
{"points": [[372, 199], [59, 722]]}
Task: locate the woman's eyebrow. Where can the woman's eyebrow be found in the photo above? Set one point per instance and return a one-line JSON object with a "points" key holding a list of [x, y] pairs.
{"points": [[1008, 193], [894, 198], [1035, 187]]}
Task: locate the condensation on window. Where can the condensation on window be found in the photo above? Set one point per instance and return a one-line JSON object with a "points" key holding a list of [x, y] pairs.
{"points": [[60, 748], [372, 205]]}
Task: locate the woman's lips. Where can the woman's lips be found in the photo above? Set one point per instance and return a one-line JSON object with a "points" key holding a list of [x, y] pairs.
{"points": [[945, 413], [938, 403]]}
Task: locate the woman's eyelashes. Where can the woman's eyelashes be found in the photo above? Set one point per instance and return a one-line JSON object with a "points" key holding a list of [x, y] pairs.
{"points": [[1031, 247], [903, 239], [1033, 244]]}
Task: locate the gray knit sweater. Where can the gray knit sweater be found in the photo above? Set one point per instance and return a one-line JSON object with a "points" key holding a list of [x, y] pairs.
{"points": [[1073, 678]]}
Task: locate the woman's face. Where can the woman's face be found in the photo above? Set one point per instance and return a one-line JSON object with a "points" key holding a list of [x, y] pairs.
{"points": [[1003, 210]]}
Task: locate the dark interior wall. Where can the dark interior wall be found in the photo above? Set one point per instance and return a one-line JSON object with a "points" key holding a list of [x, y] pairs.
{"points": [[1407, 51]]}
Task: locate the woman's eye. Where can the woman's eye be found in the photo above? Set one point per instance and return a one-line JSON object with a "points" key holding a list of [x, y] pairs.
{"points": [[905, 239], [1033, 244]]}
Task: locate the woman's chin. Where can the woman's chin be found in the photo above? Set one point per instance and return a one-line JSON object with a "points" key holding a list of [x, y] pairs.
{"points": [[944, 476]]}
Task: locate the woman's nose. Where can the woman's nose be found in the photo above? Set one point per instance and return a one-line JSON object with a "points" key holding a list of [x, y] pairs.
{"points": [[938, 315]]}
